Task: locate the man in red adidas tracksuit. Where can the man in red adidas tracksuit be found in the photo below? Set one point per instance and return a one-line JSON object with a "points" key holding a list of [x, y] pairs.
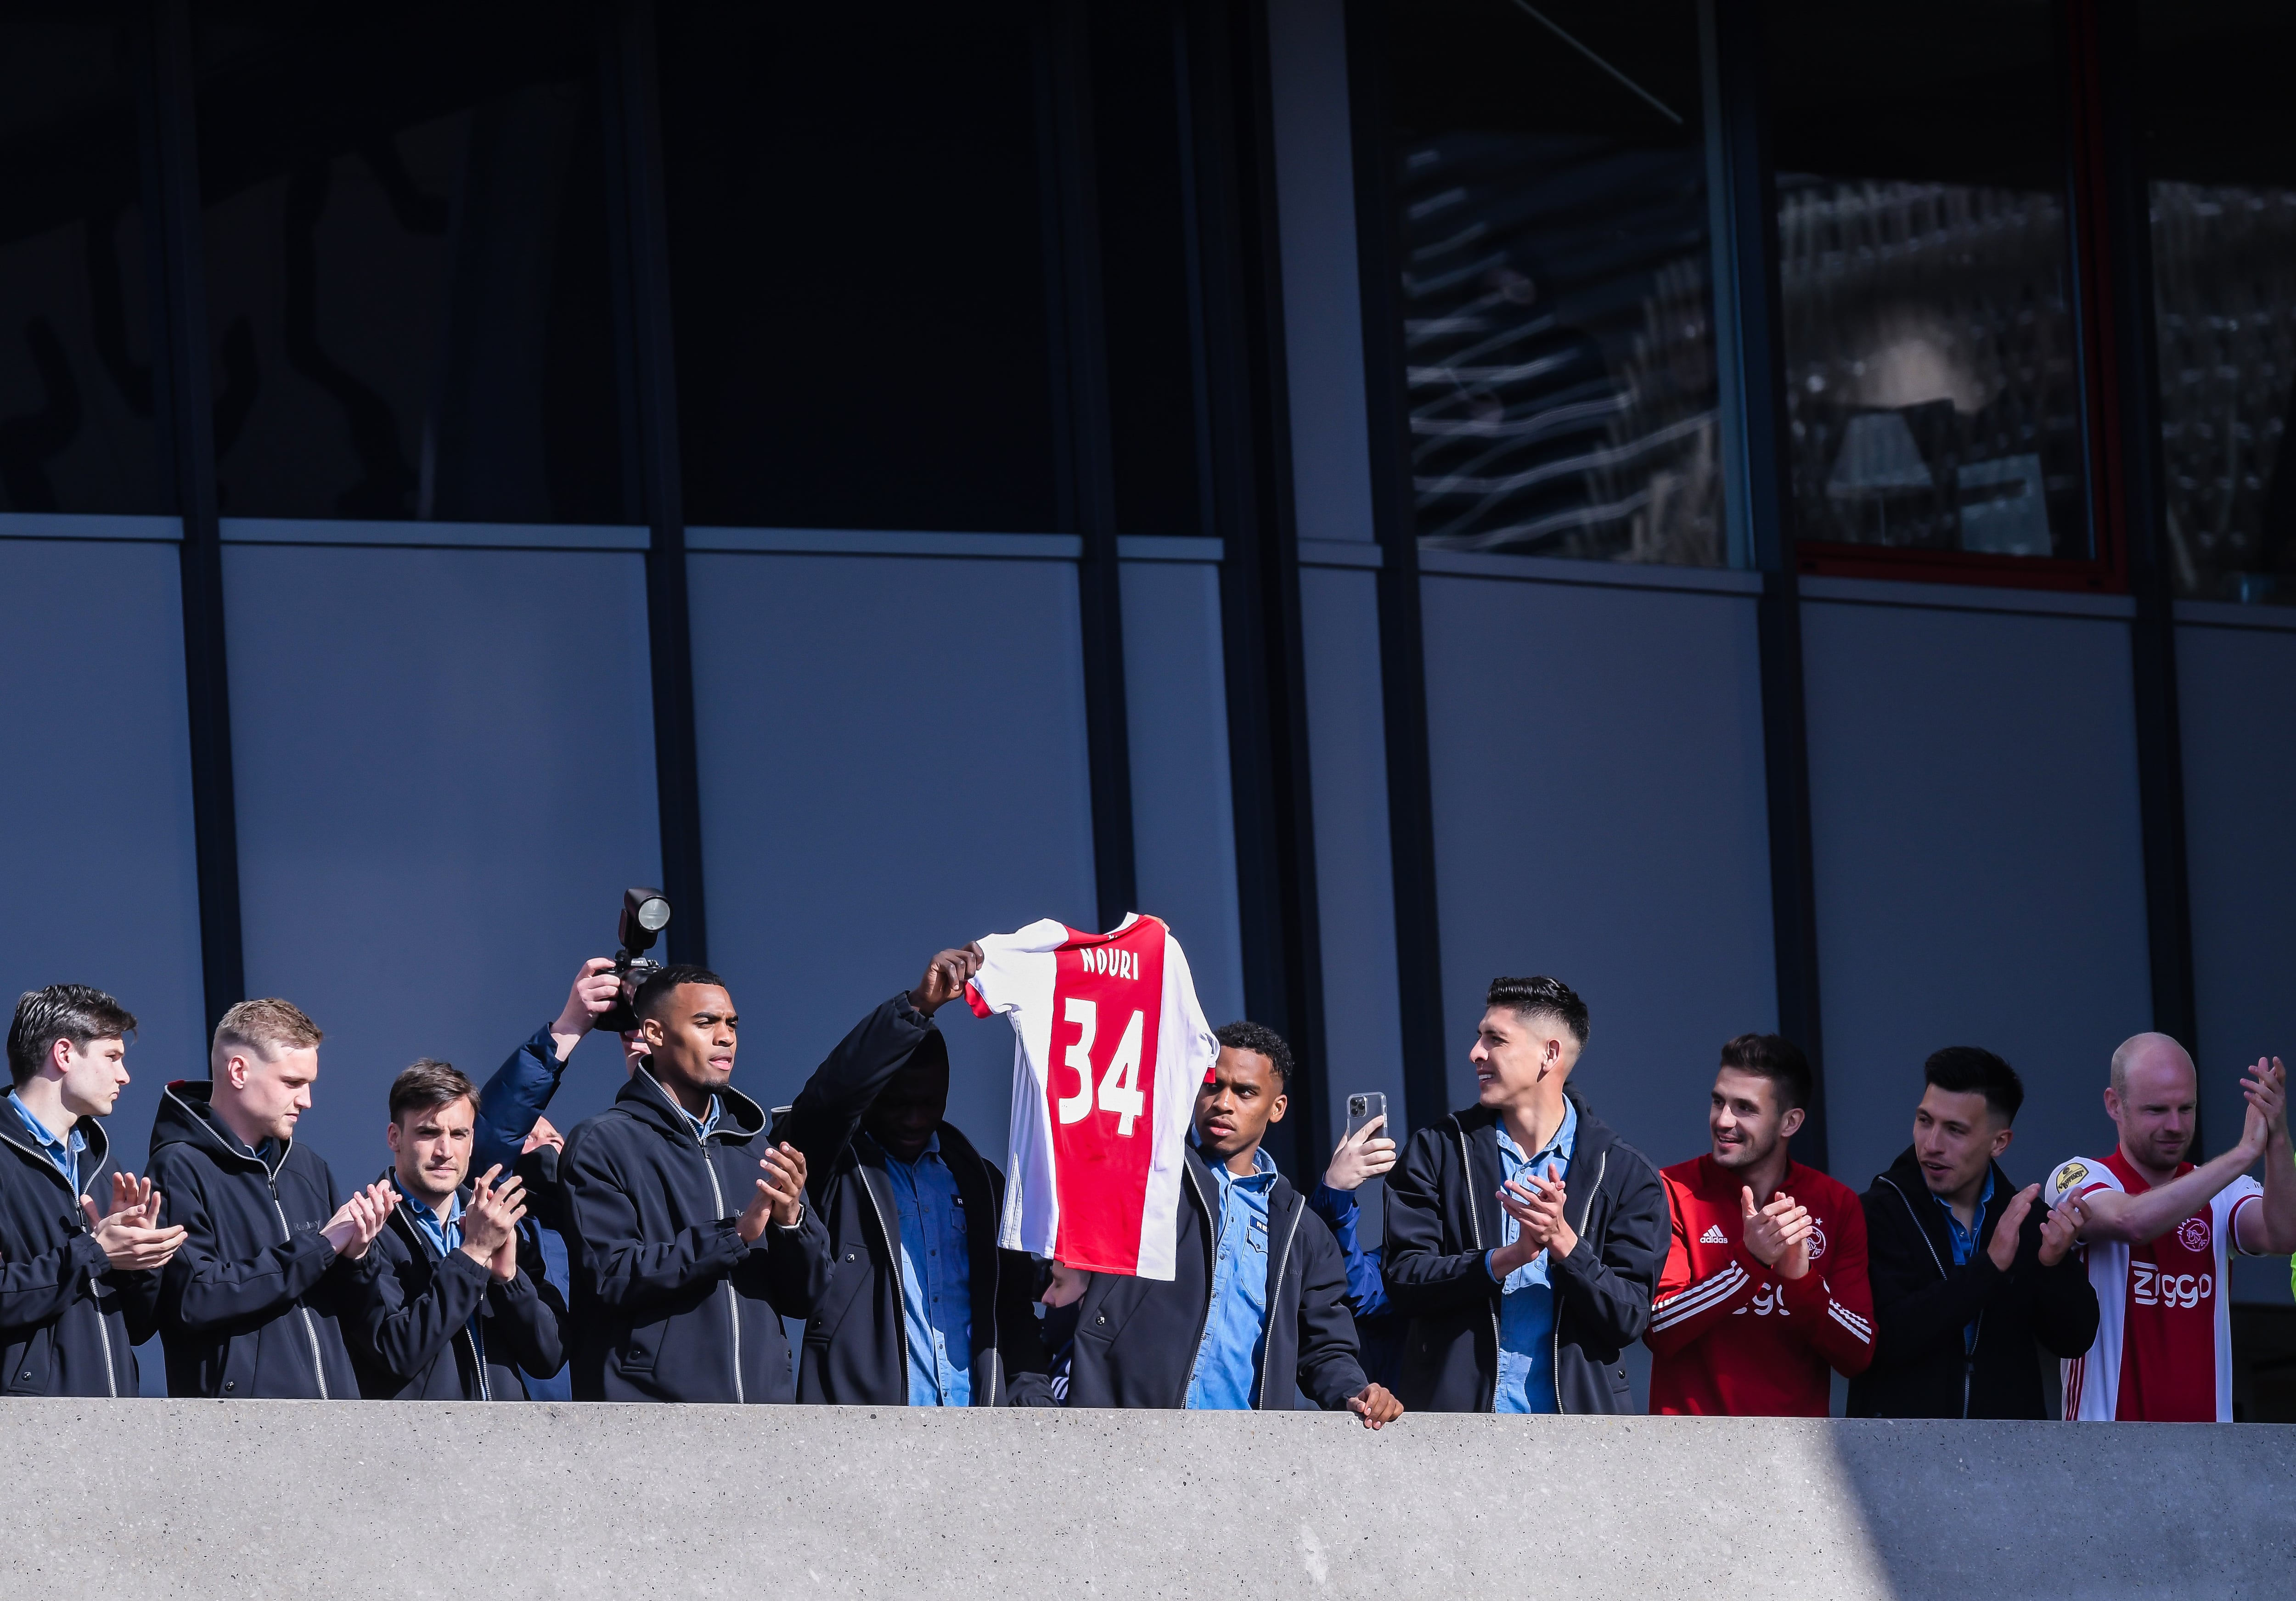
{"points": [[1765, 1286]]}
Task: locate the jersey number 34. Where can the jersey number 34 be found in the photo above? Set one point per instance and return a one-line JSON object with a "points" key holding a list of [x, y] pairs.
{"points": [[1119, 1084]]}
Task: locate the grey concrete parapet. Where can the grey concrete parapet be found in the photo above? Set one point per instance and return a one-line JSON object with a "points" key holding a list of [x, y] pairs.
{"points": [[149, 1500]]}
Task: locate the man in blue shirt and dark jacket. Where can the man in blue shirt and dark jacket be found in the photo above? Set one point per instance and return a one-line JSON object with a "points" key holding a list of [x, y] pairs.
{"points": [[79, 1287], [923, 1309], [461, 1310], [1257, 1308], [691, 1234], [1523, 1236], [271, 1262]]}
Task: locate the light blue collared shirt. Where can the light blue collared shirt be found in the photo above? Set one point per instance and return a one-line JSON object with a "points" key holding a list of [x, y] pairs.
{"points": [[1963, 1241], [445, 1235], [936, 1291], [1226, 1375], [1526, 1377], [703, 1127], [64, 1154]]}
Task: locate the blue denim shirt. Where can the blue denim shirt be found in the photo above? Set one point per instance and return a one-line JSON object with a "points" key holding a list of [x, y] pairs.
{"points": [[64, 1153], [1226, 1375], [445, 1235], [1964, 1243], [703, 1127], [1366, 1289], [1526, 1377], [936, 1279]]}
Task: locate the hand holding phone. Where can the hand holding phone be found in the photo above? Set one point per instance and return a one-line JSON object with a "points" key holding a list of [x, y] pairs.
{"points": [[1365, 1152]]}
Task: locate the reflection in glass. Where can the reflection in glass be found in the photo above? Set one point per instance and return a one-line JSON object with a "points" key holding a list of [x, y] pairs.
{"points": [[1933, 376], [76, 397], [406, 261], [2220, 155], [1558, 333], [1931, 380]]}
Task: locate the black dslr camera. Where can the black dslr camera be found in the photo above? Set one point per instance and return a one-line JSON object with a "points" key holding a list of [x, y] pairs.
{"points": [[646, 912]]}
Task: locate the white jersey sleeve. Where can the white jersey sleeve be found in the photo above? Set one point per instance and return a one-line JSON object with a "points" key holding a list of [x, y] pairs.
{"points": [[2241, 1192]]}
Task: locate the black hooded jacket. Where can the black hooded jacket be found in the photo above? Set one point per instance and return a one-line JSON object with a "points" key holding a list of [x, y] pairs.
{"points": [[69, 1321], [671, 1304], [856, 1345], [412, 1339], [1923, 1305], [1443, 1218], [252, 1305], [1137, 1338]]}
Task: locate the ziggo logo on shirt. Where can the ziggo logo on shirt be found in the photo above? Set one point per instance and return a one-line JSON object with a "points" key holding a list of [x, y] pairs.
{"points": [[2152, 1287]]}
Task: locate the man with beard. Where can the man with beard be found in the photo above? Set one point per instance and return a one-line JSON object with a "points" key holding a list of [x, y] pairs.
{"points": [[1757, 1233], [2155, 1232]]}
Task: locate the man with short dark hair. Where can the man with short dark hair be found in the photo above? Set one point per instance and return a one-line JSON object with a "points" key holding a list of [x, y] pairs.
{"points": [[692, 1235], [1256, 1310], [922, 1308], [455, 1313], [271, 1261], [1523, 1236], [1757, 1233], [76, 1297], [1967, 1273]]}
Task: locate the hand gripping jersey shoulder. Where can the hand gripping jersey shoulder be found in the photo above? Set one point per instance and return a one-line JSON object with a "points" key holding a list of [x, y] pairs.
{"points": [[1108, 1046]]}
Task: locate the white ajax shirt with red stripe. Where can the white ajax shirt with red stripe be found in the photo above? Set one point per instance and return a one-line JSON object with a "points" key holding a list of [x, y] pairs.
{"points": [[1108, 1047]]}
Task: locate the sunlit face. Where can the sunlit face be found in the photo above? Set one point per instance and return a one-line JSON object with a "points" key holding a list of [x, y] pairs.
{"points": [[2160, 1113], [92, 1074], [1514, 1051], [431, 1148], [1235, 1105], [690, 1036], [272, 1092], [1956, 1135], [1745, 1120]]}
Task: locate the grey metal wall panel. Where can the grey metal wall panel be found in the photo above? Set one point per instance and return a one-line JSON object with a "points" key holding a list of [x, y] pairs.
{"points": [[445, 776], [1355, 870], [1600, 815], [1979, 862], [1183, 804], [99, 878], [892, 756], [2239, 722]]}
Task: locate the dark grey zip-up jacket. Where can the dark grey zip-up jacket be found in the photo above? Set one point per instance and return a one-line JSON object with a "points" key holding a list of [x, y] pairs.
{"points": [[69, 1320], [1137, 1338], [1923, 1365], [1443, 1217], [855, 1346], [252, 1303], [669, 1303], [412, 1339]]}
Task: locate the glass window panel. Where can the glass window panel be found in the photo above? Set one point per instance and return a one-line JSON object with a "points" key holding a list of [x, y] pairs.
{"points": [[409, 297], [2221, 157], [1557, 323], [1933, 377], [76, 398], [856, 266]]}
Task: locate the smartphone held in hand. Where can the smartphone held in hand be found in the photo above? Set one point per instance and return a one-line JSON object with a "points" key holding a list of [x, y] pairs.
{"points": [[1367, 1107]]}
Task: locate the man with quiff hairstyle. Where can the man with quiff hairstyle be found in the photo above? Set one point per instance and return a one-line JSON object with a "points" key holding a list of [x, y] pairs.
{"points": [[273, 1260]]}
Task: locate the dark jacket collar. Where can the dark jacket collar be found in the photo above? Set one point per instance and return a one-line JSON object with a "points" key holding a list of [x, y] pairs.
{"points": [[92, 1159], [187, 1116], [1480, 1124], [402, 1216], [1906, 1176], [740, 1119]]}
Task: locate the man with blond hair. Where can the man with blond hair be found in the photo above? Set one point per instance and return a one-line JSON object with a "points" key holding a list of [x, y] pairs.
{"points": [[2155, 1233], [272, 1260]]}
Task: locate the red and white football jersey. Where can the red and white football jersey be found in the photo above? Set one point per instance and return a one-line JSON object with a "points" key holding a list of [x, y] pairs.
{"points": [[1108, 1047], [2163, 1351]]}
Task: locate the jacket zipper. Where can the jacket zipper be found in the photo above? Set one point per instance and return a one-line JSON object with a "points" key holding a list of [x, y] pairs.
{"points": [[1968, 1357], [1475, 1229], [1211, 1258], [1586, 1212], [893, 1246], [287, 1238], [1282, 1262], [733, 1302]]}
